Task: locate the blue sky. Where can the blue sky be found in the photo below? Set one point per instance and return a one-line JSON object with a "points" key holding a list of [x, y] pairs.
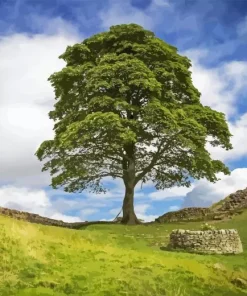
{"points": [[212, 33]]}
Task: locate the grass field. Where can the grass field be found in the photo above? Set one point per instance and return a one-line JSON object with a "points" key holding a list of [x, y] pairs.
{"points": [[111, 260]]}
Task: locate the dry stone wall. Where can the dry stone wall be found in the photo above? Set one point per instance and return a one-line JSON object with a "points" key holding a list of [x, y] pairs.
{"points": [[234, 201], [186, 214], [225, 241], [34, 218]]}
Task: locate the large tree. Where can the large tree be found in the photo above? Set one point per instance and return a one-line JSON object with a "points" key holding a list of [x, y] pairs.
{"points": [[126, 108]]}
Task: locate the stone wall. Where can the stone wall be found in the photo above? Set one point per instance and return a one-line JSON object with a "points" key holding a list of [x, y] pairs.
{"points": [[234, 201], [186, 214], [226, 241], [34, 218]]}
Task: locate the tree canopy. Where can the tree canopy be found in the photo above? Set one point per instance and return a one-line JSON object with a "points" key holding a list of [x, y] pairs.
{"points": [[127, 108]]}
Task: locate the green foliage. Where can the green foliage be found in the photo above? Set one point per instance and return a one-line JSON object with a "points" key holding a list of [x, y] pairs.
{"points": [[206, 226], [121, 92]]}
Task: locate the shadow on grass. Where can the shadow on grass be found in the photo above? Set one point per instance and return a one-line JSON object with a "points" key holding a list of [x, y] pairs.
{"points": [[189, 251]]}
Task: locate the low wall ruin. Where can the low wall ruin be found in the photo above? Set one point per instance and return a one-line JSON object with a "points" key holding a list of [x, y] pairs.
{"points": [[225, 241], [35, 218], [186, 214]]}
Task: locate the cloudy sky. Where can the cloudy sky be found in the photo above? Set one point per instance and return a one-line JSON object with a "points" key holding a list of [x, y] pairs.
{"points": [[32, 36]]}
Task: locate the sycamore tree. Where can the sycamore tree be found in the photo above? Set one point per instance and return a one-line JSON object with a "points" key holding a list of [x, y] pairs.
{"points": [[127, 108]]}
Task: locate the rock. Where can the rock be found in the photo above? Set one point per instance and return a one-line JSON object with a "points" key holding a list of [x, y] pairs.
{"points": [[219, 266], [217, 217], [241, 283]]}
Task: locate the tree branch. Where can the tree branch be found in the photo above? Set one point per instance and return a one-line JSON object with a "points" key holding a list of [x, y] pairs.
{"points": [[103, 175], [107, 156], [118, 214], [155, 157]]}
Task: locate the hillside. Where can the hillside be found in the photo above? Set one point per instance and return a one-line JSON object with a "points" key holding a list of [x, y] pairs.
{"points": [[112, 259], [107, 258], [232, 205]]}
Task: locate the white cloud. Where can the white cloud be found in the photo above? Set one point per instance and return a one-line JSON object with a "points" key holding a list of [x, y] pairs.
{"points": [[173, 208], [147, 218], [239, 142], [114, 211], [205, 193], [236, 71], [242, 28], [141, 209], [54, 26], [32, 201], [21, 131], [160, 14], [66, 218], [26, 97], [24, 199], [74, 203], [219, 86], [39, 202], [171, 193], [87, 212], [140, 195], [106, 220], [125, 14], [161, 3]]}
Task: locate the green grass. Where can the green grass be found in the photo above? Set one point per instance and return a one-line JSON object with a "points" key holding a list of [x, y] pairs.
{"points": [[112, 260]]}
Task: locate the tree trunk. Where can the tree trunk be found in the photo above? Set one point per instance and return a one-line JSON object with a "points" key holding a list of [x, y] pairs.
{"points": [[129, 216]]}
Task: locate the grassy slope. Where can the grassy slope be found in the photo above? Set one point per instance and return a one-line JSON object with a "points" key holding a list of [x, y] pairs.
{"points": [[112, 260]]}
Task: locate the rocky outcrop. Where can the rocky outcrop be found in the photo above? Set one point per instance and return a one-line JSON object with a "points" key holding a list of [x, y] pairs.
{"points": [[239, 282], [225, 241], [233, 204]]}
